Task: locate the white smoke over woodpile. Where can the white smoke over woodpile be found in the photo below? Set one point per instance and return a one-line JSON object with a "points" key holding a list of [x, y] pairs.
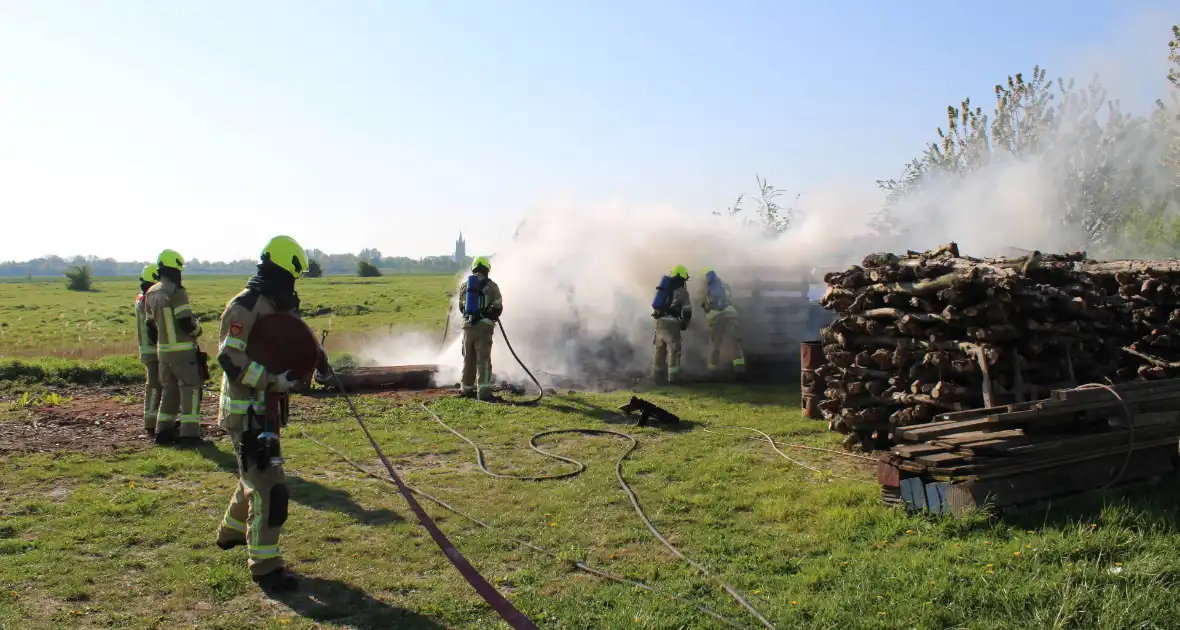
{"points": [[578, 279]]}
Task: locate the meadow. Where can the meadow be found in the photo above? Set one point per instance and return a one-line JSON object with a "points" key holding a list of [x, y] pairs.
{"points": [[41, 318], [117, 533]]}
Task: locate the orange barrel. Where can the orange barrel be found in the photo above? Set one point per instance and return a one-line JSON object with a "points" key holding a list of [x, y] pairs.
{"points": [[811, 358]]}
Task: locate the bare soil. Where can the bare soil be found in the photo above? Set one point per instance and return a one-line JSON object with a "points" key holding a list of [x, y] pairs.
{"points": [[102, 421], [87, 421]]}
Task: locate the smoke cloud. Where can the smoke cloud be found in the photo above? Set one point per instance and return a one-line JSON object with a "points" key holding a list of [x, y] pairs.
{"points": [[578, 279]]}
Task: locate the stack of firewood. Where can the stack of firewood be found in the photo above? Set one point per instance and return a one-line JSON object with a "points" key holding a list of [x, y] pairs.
{"points": [[1150, 295], [925, 333]]}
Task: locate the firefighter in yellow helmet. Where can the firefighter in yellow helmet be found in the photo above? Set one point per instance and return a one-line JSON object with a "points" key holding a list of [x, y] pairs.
{"points": [[725, 336], [258, 508], [181, 366], [672, 310], [145, 335], [481, 305]]}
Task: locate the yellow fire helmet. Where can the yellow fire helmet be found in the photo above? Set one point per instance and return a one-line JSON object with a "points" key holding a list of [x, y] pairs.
{"points": [[284, 252], [481, 261], [680, 271], [150, 273], [171, 259]]}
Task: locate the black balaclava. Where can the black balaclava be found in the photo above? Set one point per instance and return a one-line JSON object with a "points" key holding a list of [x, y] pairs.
{"points": [[144, 286], [277, 284], [171, 274]]}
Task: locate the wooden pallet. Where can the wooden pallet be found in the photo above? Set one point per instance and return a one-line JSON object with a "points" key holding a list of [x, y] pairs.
{"points": [[1075, 441]]}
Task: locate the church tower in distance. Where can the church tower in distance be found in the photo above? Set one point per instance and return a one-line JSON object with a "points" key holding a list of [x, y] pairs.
{"points": [[460, 249]]}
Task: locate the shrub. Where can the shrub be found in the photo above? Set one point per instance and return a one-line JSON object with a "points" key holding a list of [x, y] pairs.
{"points": [[366, 269], [314, 270], [78, 278]]}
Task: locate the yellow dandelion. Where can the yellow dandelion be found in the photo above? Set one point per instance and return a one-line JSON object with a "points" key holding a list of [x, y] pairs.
{"points": [[1017, 554], [131, 484], [552, 524], [987, 542], [989, 566], [757, 592], [793, 603], [882, 613], [1118, 564], [909, 531]]}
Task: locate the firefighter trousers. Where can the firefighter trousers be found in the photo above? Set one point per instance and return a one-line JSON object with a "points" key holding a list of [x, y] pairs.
{"points": [[180, 402], [151, 392], [477, 359], [256, 511], [665, 365], [725, 340]]}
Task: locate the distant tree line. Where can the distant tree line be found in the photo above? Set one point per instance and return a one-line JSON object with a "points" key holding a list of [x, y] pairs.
{"points": [[320, 263]]}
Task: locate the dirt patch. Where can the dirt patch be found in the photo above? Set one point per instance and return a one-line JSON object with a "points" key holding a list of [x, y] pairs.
{"points": [[409, 396], [87, 421]]}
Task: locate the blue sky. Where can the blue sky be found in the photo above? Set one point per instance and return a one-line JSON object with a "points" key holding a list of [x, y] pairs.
{"points": [[126, 127]]}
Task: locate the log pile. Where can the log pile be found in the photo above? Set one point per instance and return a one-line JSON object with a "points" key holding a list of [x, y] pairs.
{"points": [[926, 333], [1150, 292], [1076, 441]]}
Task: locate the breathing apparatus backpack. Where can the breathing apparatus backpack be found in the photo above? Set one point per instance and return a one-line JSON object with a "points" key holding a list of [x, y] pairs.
{"points": [[718, 300], [473, 300], [662, 303]]}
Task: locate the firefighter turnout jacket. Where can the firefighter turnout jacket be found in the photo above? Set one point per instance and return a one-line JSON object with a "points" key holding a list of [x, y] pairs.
{"points": [[244, 381]]}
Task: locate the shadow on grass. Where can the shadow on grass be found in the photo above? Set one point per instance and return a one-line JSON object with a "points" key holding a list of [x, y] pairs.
{"points": [[1143, 507], [331, 601], [308, 493]]}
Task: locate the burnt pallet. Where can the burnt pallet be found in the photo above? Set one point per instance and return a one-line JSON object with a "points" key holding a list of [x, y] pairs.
{"points": [[384, 377]]}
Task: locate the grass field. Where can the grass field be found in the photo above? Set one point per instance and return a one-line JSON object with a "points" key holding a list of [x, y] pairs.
{"points": [[42, 318], [112, 532]]}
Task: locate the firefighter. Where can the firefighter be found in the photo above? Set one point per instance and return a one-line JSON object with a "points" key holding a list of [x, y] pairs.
{"points": [[724, 330], [258, 509], [481, 305], [145, 334], [181, 375], [672, 310]]}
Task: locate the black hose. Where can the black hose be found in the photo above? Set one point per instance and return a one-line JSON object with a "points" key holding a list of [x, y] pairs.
{"points": [[540, 390], [622, 483], [614, 577]]}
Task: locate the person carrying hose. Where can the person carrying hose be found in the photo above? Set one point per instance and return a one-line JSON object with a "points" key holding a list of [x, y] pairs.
{"points": [[724, 329], [181, 370], [672, 310], [258, 508], [146, 336], [481, 305]]}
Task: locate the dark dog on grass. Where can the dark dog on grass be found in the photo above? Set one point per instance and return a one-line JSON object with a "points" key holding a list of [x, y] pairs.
{"points": [[648, 411]]}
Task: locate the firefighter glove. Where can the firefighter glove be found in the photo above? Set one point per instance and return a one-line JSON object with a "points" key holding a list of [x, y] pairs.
{"points": [[284, 382]]}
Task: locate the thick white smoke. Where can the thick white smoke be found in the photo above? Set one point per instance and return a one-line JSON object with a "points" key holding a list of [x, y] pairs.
{"points": [[578, 279]]}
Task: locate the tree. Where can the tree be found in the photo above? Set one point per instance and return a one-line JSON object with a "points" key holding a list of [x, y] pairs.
{"points": [[773, 219], [314, 270], [1174, 57], [366, 269], [1099, 163], [78, 278]]}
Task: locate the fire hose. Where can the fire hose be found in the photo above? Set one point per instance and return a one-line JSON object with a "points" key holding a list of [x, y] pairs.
{"points": [[498, 602]]}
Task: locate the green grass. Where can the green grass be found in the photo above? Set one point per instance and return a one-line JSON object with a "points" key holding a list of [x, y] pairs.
{"points": [[42, 318], [126, 541]]}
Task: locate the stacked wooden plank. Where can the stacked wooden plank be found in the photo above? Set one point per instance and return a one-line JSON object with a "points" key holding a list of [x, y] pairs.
{"points": [[925, 333], [1004, 457], [1150, 291]]}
